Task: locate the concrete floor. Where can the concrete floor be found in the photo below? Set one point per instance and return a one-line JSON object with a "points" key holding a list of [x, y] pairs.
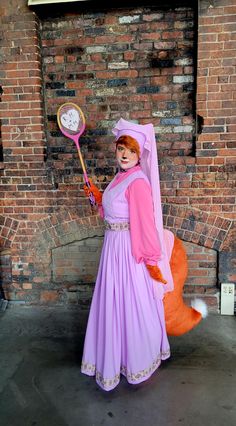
{"points": [[41, 383]]}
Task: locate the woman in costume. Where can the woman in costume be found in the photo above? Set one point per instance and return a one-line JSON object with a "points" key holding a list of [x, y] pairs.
{"points": [[126, 331]]}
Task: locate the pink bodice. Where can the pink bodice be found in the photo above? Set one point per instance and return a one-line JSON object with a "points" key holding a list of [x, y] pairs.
{"points": [[128, 199], [114, 201]]}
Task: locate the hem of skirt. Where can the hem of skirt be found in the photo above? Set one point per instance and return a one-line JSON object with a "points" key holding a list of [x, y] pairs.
{"points": [[165, 357], [105, 384], [136, 378], [141, 379], [108, 384]]}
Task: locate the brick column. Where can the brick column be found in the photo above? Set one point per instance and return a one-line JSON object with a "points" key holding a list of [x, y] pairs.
{"points": [[216, 104], [22, 130]]}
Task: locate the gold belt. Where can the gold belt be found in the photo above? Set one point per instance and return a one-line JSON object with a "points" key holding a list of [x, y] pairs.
{"points": [[118, 226]]}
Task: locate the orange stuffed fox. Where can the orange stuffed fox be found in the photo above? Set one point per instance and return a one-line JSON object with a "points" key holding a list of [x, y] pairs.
{"points": [[179, 317]]}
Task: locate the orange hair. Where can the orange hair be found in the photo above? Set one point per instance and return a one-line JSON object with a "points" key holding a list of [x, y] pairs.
{"points": [[129, 143]]}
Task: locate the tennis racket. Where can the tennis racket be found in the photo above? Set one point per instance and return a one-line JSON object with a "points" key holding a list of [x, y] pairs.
{"points": [[71, 122]]}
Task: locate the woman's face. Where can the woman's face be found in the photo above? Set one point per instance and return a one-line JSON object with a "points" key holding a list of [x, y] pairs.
{"points": [[126, 157]]}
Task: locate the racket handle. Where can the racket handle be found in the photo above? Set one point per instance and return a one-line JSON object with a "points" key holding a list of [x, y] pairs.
{"points": [[82, 163], [92, 199], [91, 196]]}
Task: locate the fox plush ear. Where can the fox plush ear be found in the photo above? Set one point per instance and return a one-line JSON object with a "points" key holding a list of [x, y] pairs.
{"points": [[179, 317]]}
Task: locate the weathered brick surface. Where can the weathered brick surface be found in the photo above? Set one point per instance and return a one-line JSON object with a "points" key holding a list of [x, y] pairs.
{"points": [[138, 63], [202, 275], [77, 262], [139, 66], [5, 271], [216, 104]]}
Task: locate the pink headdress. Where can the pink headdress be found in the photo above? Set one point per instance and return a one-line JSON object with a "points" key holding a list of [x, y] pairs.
{"points": [[145, 136]]}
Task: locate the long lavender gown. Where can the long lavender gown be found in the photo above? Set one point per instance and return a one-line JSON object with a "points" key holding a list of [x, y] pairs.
{"points": [[126, 328]]}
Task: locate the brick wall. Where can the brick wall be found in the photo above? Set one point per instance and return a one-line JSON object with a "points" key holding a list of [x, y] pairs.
{"points": [[216, 145], [202, 273], [139, 63], [65, 265], [135, 63]]}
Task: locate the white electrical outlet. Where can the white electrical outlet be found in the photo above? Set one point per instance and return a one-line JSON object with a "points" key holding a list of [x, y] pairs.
{"points": [[227, 299]]}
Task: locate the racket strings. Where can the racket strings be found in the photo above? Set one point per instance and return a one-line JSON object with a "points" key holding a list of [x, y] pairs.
{"points": [[71, 119]]}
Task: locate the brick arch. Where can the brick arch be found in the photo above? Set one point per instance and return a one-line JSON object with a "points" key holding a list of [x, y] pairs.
{"points": [[60, 228], [55, 234], [8, 230], [196, 226], [189, 224], [27, 276]]}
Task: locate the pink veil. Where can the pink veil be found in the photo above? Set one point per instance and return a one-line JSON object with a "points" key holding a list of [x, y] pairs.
{"points": [[145, 135]]}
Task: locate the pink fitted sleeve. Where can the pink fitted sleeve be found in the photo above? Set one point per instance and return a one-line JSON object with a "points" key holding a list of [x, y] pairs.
{"points": [[144, 236]]}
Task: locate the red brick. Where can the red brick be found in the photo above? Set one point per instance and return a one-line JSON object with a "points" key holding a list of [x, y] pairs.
{"points": [[49, 296]]}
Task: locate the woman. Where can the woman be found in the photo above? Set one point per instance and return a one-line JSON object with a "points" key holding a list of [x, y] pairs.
{"points": [[126, 328]]}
